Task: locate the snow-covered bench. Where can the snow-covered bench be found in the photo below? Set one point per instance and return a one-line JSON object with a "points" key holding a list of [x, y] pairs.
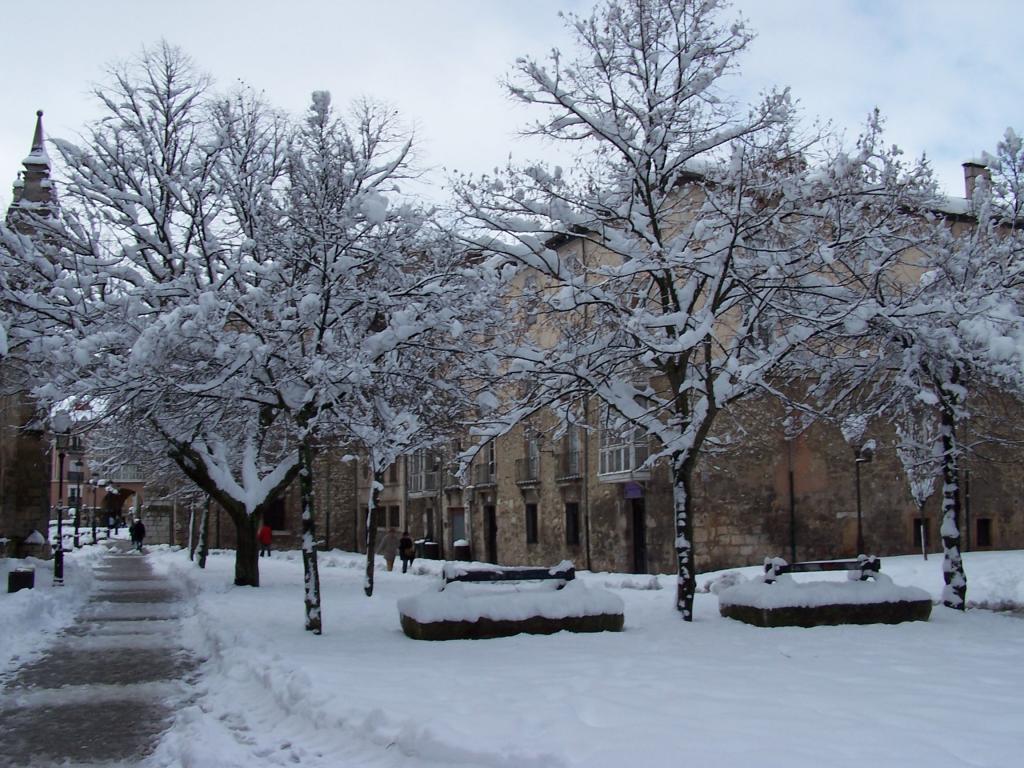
{"points": [[564, 572], [485, 602], [867, 566], [866, 597]]}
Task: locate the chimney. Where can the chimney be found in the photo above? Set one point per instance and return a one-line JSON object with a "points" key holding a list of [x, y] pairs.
{"points": [[972, 170]]}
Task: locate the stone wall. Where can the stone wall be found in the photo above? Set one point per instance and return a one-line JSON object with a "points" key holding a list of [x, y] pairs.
{"points": [[746, 506], [24, 472]]}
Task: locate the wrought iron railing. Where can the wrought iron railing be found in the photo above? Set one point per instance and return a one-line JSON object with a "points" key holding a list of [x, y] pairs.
{"points": [[528, 470]]}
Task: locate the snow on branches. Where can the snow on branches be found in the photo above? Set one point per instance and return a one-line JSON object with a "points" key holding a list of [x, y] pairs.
{"points": [[696, 254]]}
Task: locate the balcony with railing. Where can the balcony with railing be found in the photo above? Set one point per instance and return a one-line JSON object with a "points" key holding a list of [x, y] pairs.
{"points": [[423, 483], [127, 473], [484, 474], [528, 471], [570, 467]]}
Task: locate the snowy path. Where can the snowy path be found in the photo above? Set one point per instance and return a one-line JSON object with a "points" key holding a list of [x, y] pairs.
{"points": [[103, 692]]}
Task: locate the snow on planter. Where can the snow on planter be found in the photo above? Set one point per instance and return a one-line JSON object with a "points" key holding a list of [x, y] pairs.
{"points": [[791, 603], [477, 611]]}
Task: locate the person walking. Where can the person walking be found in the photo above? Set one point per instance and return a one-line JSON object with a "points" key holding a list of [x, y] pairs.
{"points": [[389, 547], [138, 534], [265, 536], [407, 550]]}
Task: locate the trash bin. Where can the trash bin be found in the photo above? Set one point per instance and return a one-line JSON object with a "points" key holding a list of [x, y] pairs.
{"points": [[21, 578], [431, 550], [460, 550], [419, 548]]}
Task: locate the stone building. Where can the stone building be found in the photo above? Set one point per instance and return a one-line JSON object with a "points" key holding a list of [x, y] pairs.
{"points": [[534, 496], [534, 499], [537, 495], [24, 447]]}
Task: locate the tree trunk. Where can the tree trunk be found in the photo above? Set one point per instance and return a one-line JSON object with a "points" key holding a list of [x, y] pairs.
{"points": [[247, 569], [309, 564], [204, 534], [955, 593], [371, 531], [191, 533], [247, 553], [682, 501]]}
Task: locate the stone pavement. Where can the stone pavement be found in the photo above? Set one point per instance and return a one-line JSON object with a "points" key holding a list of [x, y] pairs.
{"points": [[105, 690]]}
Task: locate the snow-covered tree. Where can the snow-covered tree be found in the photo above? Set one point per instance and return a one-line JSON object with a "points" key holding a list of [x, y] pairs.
{"points": [[243, 287], [386, 304], [147, 260], [695, 252], [947, 331]]}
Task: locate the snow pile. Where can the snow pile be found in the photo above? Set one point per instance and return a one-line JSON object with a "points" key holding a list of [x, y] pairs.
{"points": [[30, 617], [786, 592], [471, 602]]}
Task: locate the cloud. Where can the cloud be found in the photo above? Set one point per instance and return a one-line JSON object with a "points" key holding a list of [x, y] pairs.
{"points": [[944, 75]]}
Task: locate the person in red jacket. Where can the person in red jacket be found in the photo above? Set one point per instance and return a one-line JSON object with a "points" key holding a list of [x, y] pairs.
{"points": [[265, 536]]}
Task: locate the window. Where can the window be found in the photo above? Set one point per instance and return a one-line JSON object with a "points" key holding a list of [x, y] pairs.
{"points": [[921, 532], [458, 515], [422, 471], [623, 449], [274, 515], [393, 516], [533, 455], [983, 532], [572, 523], [485, 471], [569, 460], [393, 473], [531, 523]]}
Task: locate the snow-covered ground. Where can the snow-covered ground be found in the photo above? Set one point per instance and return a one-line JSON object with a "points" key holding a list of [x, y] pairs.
{"points": [[29, 618], [711, 693]]}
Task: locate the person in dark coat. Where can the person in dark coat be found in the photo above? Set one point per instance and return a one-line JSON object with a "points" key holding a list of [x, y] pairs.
{"points": [[407, 550], [138, 534], [265, 536]]}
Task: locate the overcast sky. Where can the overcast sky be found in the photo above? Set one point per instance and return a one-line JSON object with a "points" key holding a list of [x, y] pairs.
{"points": [[946, 75]]}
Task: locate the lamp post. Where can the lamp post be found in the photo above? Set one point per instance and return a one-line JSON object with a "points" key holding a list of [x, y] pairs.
{"points": [[60, 424], [78, 501], [92, 483], [862, 455]]}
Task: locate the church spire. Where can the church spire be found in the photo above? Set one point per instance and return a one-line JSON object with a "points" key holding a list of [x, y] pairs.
{"points": [[38, 151], [33, 189]]}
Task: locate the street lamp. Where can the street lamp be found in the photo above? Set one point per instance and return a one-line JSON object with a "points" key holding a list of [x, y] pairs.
{"points": [[78, 500], [92, 482], [60, 424], [862, 455]]}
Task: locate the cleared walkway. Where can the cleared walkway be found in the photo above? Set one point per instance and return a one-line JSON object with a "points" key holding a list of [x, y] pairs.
{"points": [[105, 690]]}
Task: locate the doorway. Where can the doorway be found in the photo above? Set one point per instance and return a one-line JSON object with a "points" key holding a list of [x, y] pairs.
{"points": [[638, 521], [458, 523], [491, 533]]}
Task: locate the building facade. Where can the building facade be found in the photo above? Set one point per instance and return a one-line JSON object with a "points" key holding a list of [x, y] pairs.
{"points": [[24, 447]]}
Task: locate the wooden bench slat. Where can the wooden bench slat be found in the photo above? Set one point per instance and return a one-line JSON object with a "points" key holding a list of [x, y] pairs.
{"points": [[830, 565], [866, 565], [510, 574]]}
